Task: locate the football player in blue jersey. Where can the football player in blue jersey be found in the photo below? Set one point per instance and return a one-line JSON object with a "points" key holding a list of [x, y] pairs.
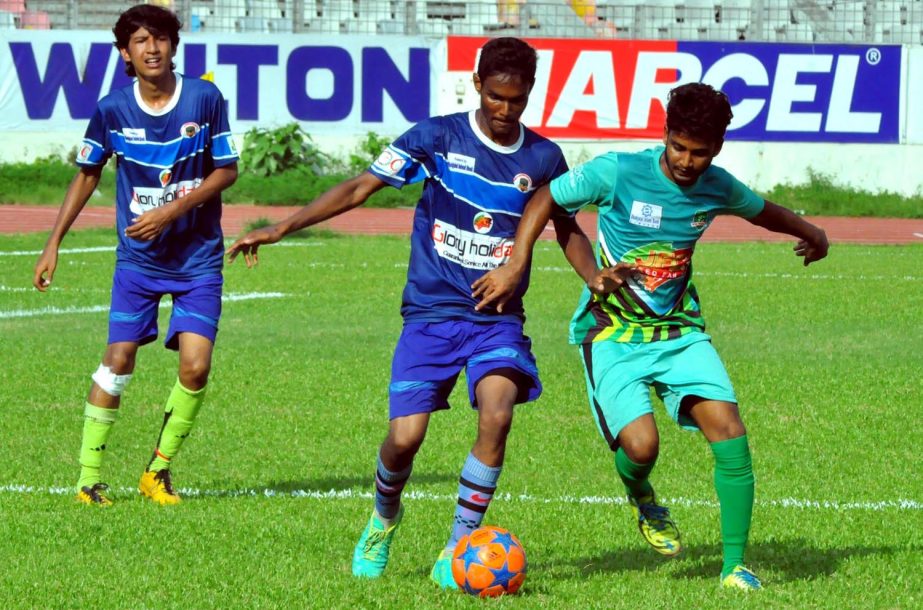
{"points": [[639, 324], [479, 169], [175, 156]]}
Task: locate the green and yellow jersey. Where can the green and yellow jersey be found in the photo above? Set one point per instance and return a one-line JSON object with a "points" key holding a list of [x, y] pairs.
{"points": [[649, 220]]}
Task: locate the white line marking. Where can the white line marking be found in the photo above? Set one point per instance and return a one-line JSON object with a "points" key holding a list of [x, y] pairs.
{"points": [[785, 276], [57, 311], [351, 494], [288, 244]]}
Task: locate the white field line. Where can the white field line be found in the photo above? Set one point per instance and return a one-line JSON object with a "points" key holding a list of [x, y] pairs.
{"points": [[350, 494], [57, 311], [287, 244]]}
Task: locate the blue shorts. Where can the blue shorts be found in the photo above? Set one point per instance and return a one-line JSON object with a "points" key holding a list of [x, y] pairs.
{"points": [[136, 299], [619, 377], [430, 355]]}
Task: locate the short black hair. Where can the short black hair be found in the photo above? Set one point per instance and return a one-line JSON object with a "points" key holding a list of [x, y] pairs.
{"points": [[510, 56], [156, 20], [699, 111]]}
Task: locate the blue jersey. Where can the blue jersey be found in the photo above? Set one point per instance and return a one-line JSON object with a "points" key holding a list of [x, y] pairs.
{"points": [[464, 224], [162, 155]]}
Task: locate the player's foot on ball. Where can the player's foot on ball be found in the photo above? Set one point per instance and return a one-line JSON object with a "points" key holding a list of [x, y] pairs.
{"points": [[370, 557], [656, 525], [441, 573], [94, 495], [741, 578], [157, 486]]}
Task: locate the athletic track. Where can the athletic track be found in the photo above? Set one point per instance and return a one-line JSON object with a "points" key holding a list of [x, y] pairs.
{"points": [[371, 221]]}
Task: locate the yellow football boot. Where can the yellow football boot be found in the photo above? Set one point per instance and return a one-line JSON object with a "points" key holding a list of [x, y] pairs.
{"points": [[656, 525], [94, 495], [158, 487]]}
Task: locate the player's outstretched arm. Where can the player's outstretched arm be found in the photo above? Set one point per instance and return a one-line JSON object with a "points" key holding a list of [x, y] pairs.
{"points": [[498, 285], [340, 198], [812, 240], [152, 223], [78, 193]]}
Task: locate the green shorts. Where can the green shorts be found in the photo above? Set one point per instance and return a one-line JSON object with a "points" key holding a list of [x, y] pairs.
{"points": [[619, 377]]}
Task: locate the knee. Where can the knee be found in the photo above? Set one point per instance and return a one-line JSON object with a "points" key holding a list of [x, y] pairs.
{"points": [[726, 430], [404, 444], [641, 449], [495, 423], [121, 362], [193, 373]]}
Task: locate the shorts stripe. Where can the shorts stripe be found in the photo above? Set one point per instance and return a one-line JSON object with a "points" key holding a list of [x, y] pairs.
{"points": [[612, 441]]}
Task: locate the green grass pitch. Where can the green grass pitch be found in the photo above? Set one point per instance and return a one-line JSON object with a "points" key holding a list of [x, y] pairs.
{"points": [[278, 473]]}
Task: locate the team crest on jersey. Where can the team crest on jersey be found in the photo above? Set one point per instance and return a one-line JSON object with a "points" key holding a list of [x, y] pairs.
{"points": [[189, 130], [134, 135], [523, 182], [483, 222], [645, 214], [165, 176], [700, 220]]}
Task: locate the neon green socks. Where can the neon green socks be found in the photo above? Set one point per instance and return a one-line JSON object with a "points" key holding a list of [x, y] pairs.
{"points": [[97, 424], [179, 414], [734, 484], [634, 476]]}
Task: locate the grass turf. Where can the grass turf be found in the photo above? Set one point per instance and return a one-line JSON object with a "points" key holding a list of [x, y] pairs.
{"points": [[825, 361]]}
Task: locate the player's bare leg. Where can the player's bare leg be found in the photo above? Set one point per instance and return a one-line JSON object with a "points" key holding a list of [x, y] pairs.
{"points": [[639, 446], [183, 404], [721, 424], [496, 396], [100, 413]]}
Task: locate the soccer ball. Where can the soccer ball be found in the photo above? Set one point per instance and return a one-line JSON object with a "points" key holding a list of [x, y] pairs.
{"points": [[488, 562]]}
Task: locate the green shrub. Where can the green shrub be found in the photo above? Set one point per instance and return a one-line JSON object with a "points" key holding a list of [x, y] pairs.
{"points": [[269, 151]]}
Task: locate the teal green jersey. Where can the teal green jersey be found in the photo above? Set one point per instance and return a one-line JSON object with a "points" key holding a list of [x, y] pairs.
{"points": [[647, 219]]}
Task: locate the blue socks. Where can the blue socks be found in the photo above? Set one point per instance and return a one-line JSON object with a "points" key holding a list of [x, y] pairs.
{"points": [[476, 488]]}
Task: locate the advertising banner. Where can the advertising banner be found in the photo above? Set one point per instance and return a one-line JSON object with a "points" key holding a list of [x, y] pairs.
{"points": [[617, 89], [51, 81]]}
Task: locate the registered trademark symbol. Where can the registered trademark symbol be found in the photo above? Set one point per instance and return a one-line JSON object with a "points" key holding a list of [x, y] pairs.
{"points": [[873, 56]]}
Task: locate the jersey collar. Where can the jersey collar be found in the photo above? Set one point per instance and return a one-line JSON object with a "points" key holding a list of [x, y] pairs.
{"points": [[506, 150], [159, 111]]}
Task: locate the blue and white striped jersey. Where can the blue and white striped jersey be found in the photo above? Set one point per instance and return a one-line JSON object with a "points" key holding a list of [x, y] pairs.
{"points": [[162, 155], [474, 194]]}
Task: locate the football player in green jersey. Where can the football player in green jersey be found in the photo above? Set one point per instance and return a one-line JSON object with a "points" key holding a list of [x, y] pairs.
{"points": [[639, 325]]}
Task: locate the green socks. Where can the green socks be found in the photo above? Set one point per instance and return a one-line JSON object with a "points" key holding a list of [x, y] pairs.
{"points": [[634, 476], [734, 484], [179, 414], [97, 424]]}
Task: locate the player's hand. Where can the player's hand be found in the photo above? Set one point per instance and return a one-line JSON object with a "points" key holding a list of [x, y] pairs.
{"points": [[250, 243], [496, 287], [44, 269], [813, 249], [608, 280], [149, 225]]}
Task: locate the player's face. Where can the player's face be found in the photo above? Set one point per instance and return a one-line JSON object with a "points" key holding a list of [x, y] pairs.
{"points": [[685, 158], [150, 55], [503, 100]]}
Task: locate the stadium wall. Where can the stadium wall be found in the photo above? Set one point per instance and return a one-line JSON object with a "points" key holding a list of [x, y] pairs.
{"points": [[837, 110]]}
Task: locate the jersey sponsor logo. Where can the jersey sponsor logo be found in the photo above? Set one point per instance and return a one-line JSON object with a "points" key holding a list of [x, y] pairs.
{"points": [[462, 162], [658, 263], [189, 129], [700, 220], [645, 214], [165, 176], [470, 250], [84, 153], [389, 162], [147, 198], [523, 182], [483, 222], [134, 135]]}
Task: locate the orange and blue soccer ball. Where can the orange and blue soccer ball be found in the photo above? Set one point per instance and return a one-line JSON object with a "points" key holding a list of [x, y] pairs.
{"points": [[488, 562]]}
